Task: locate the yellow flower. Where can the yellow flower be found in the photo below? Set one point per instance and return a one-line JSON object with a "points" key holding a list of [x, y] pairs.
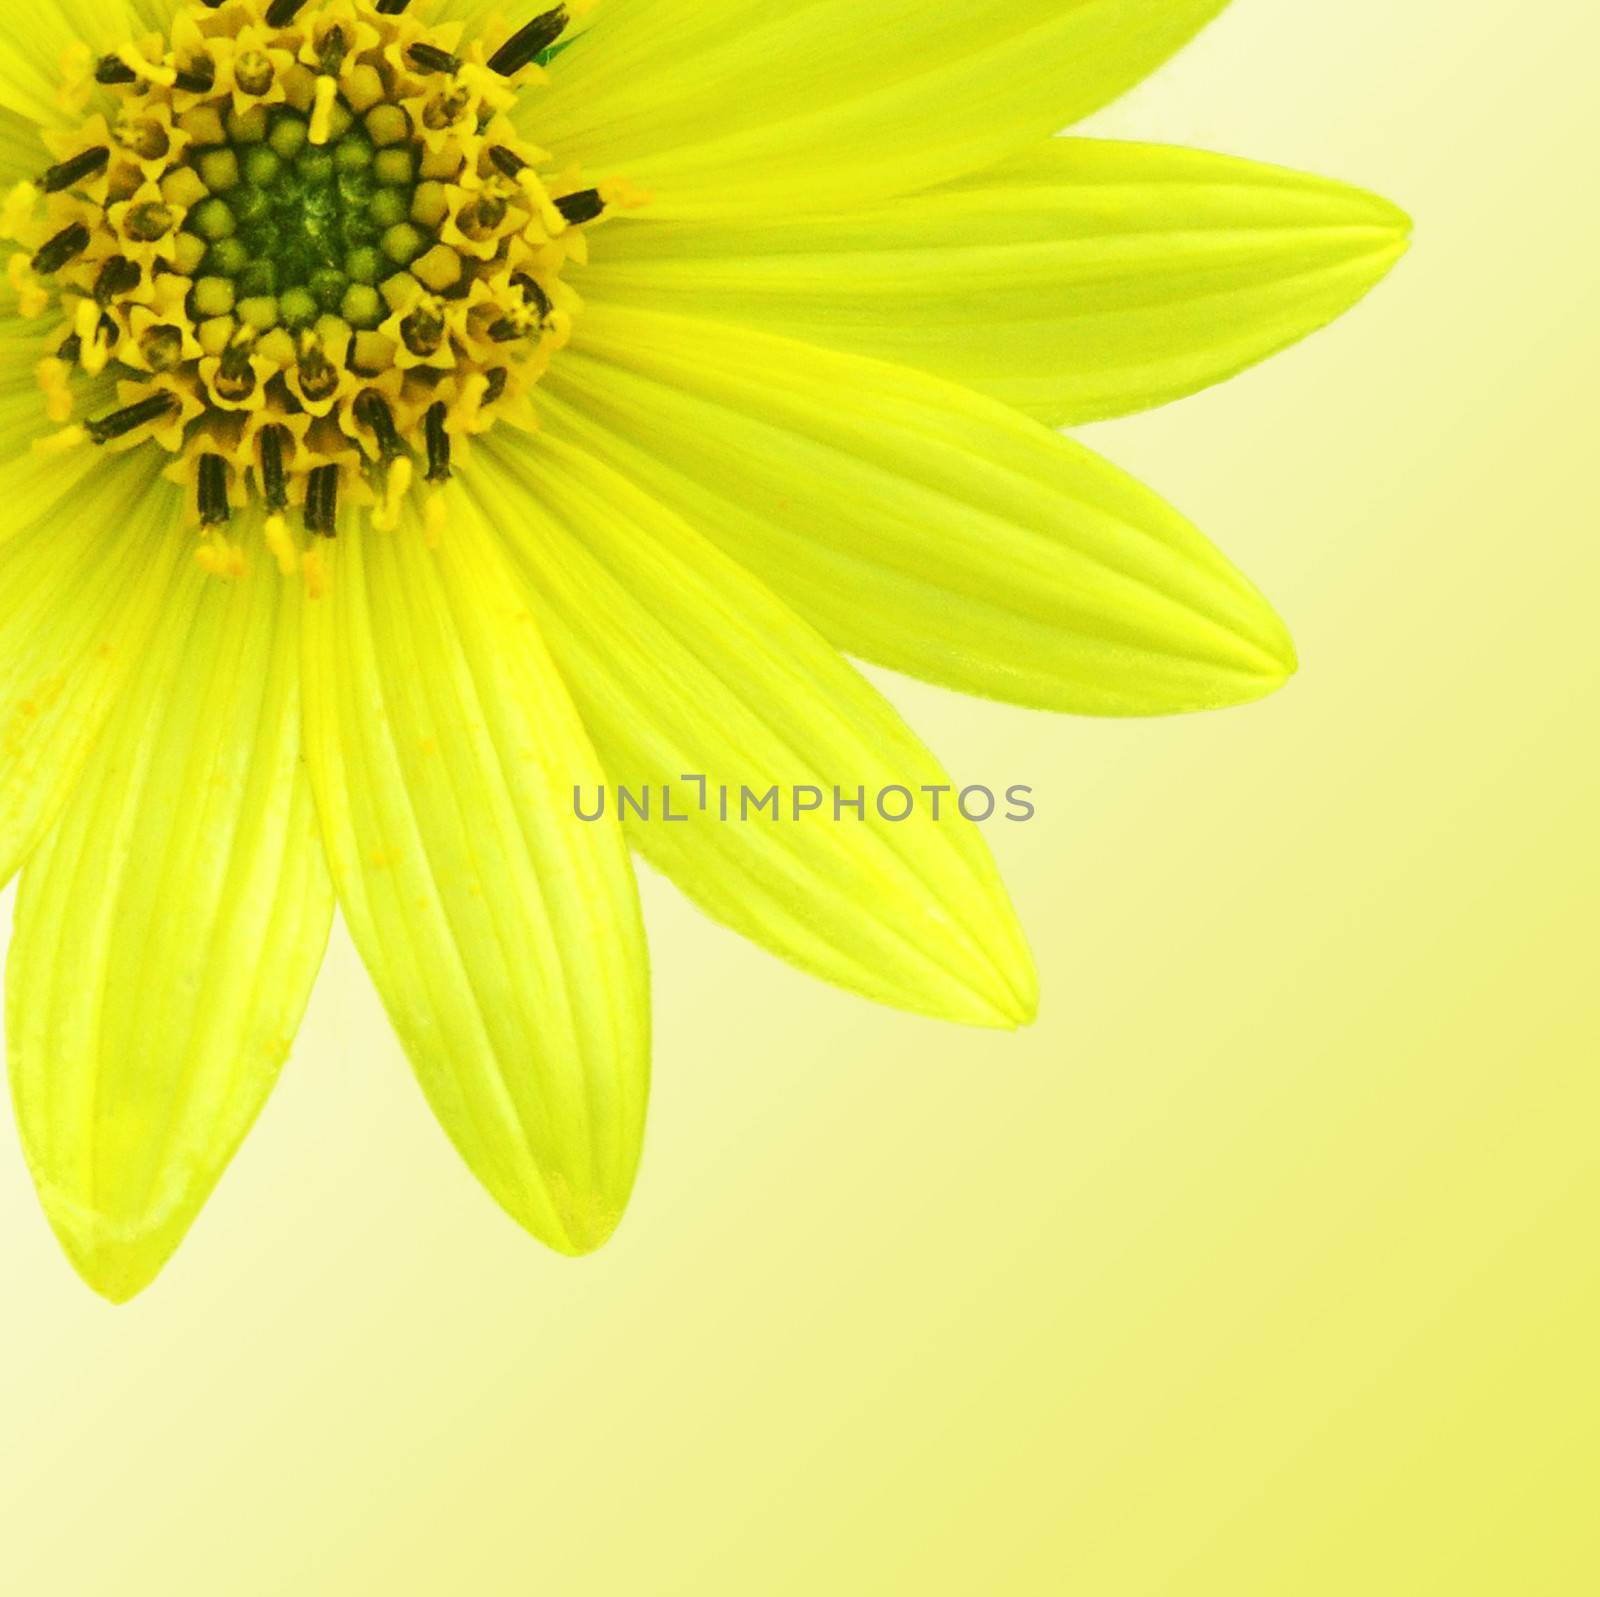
{"points": [[416, 419]]}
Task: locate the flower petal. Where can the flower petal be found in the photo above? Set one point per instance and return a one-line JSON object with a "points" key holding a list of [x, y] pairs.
{"points": [[742, 106], [82, 587], [920, 525], [1082, 280], [684, 666], [168, 933], [503, 934]]}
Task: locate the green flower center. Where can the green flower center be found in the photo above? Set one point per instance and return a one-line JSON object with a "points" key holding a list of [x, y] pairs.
{"points": [[296, 230]]}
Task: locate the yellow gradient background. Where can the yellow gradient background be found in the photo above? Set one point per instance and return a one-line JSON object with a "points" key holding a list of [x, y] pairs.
{"points": [[1265, 1264]]}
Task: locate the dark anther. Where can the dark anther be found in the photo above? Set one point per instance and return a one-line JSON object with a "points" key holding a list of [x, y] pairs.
{"points": [[372, 410], [236, 377], [392, 8], [274, 486], [438, 443], [162, 347], [113, 69], [331, 50], [508, 329], [527, 42], [58, 251], [533, 295], [124, 421], [498, 379], [318, 375], [147, 139], [427, 58], [75, 170], [70, 350], [483, 216], [508, 161], [214, 5], [119, 275], [214, 506], [197, 78], [584, 206], [322, 501], [253, 72], [149, 221], [423, 331], [445, 110], [282, 12]]}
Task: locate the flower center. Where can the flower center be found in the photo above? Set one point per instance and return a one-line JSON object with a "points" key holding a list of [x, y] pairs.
{"points": [[297, 229], [305, 251]]}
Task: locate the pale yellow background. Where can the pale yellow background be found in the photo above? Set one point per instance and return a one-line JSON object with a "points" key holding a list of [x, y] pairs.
{"points": [[1266, 1264]]}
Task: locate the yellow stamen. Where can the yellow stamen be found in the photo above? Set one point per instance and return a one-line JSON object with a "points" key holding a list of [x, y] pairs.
{"points": [[387, 516], [18, 209], [59, 443], [33, 298], [281, 544], [621, 195], [55, 379], [472, 392], [322, 110], [221, 559], [434, 518], [160, 74], [94, 352], [315, 572]]}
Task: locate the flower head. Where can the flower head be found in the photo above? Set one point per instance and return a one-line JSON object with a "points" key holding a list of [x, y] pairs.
{"points": [[418, 417], [315, 245]]}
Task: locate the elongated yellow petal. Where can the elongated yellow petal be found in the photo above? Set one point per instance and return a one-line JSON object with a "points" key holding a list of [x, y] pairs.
{"points": [[83, 580], [1081, 280], [502, 932], [168, 932], [709, 697], [742, 106], [920, 525]]}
